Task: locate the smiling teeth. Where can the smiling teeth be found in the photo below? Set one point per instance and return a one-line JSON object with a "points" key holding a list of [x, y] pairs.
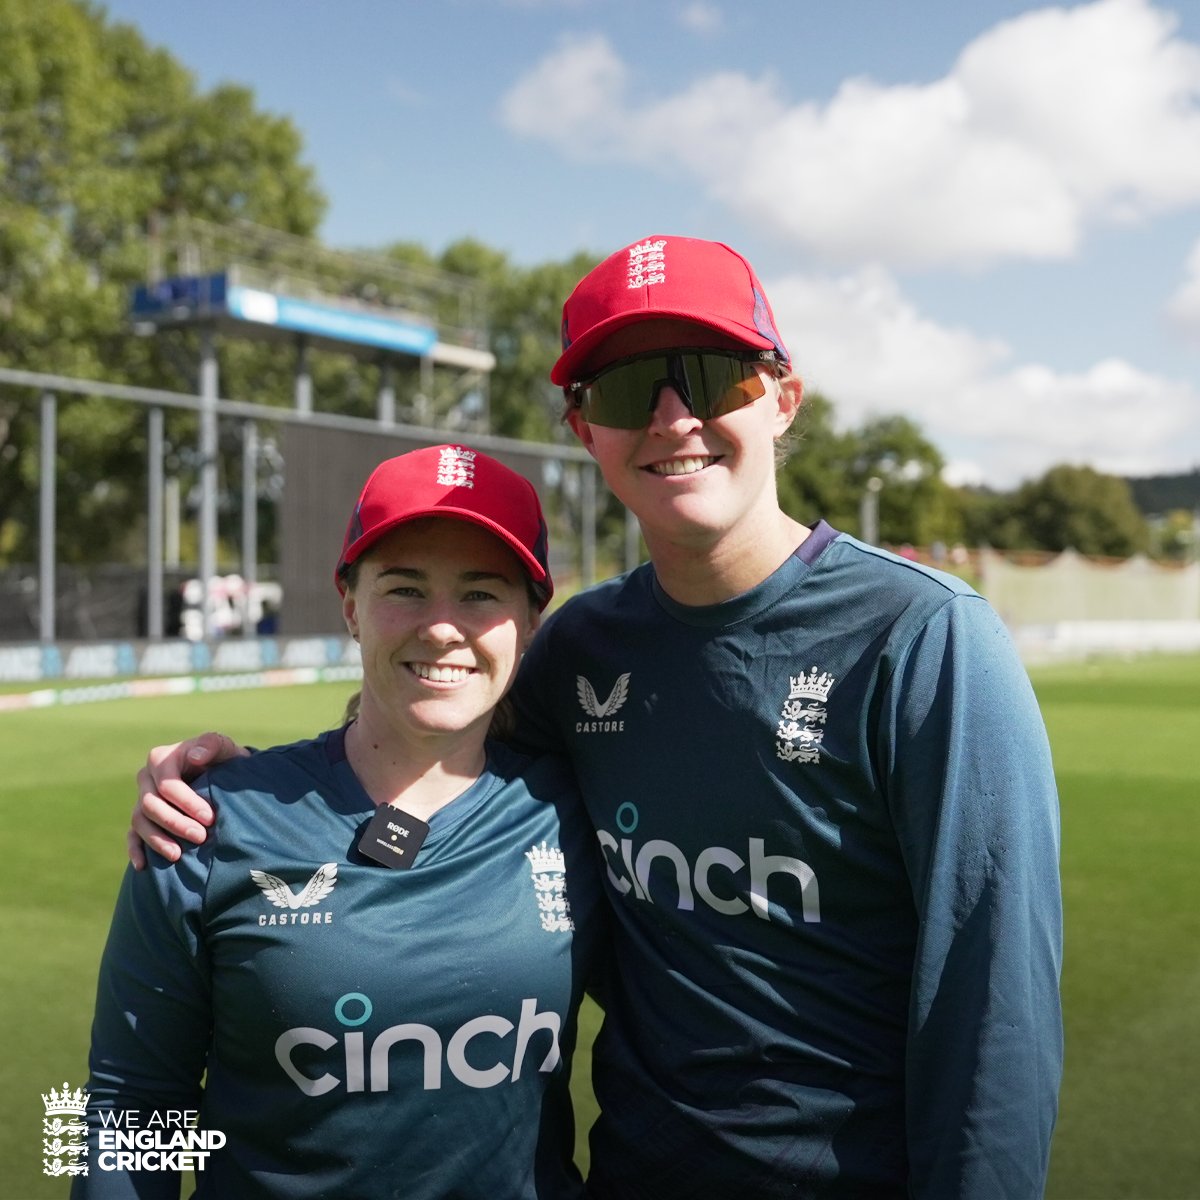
{"points": [[436, 674], [682, 466]]}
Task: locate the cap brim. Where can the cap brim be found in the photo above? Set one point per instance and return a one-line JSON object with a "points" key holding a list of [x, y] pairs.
{"points": [[574, 362]]}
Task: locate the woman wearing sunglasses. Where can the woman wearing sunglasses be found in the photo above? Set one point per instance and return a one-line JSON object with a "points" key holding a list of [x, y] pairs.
{"points": [[820, 783], [375, 960]]}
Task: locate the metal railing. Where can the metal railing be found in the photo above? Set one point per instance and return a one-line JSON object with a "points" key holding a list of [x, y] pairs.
{"points": [[45, 389]]}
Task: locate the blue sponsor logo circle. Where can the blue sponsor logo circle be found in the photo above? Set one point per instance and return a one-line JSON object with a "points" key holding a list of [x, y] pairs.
{"points": [[339, 1010]]}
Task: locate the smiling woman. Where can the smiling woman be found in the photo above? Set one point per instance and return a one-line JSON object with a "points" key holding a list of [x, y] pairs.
{"points": [[385, 938], [442, 587], [442, 613]]}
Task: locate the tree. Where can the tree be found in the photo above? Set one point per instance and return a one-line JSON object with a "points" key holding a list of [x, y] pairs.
{"points": [[915, 503], [1071, 507], [524, 310], [1158, 494], [98, 133], [524, 307], [817, 478], [827, 474]]}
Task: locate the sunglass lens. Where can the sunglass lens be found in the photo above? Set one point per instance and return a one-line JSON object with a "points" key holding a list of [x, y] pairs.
{"points": [[713, 385], [721, 385], [623, 398]]}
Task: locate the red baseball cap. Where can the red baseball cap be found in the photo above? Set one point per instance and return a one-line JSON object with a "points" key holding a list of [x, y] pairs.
{"points": [[661, 276], [451, 481]]}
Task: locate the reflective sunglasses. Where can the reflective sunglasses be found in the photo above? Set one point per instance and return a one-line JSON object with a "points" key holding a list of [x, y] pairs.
{"points": [[710, 382]]}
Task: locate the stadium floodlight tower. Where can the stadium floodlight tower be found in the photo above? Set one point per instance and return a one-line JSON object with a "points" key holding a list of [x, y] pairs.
{"points": [[248, 282]]}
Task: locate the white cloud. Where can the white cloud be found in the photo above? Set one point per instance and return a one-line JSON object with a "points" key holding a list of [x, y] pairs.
{"points": [[1113, 416], [1183, 308], [572, 99], [397, 89], [701, 17], [861, 342], [1047, 124]]}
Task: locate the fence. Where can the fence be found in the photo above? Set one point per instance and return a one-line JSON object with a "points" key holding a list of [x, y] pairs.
{"points": [[1069, 605], [566, 468], [1073, 607]]}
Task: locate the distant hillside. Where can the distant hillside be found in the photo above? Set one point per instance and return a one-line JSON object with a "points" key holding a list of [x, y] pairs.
{"points": [[1156, 494]]}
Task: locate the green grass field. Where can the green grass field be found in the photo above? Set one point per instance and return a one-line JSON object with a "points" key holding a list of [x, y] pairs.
{"points": [[1126, 738]]}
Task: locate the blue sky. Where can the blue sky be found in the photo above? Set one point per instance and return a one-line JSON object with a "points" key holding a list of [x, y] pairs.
{"points": [[983, 214]]}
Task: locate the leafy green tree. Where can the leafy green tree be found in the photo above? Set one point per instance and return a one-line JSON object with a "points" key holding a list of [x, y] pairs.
{"points": [[99, 133], [524, 308], [981, 511], [1071, 507], [817, 478], [915, 504], [828, 471]]}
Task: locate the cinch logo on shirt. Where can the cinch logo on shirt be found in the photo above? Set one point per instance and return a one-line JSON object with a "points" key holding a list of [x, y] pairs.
{"points": [[602, 710], [700, 879], [362, 1067], [276, 892]]}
